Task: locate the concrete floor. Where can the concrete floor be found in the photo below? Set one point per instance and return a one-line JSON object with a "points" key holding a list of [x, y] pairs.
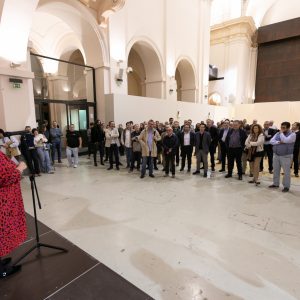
{"points": [[185, 238]]}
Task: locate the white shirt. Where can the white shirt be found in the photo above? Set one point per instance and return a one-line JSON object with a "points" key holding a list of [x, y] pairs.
{"points": [[187, 139], [127, 141]]}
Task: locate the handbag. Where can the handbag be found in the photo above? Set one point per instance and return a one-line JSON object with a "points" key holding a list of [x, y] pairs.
{"points": [[12, 151]]}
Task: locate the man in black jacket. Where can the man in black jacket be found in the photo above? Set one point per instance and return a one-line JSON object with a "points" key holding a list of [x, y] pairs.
{"points": [[98, 140], [177, 132], [296, 129], [213, 131], [235, 142], [268, 148], [169, 144], [222, 138], [202, 145], [187, 142]]}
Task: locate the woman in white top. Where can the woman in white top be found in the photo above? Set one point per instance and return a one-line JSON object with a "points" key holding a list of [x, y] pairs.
{"points": [[255, 146], [9, 146], [40, 142]]}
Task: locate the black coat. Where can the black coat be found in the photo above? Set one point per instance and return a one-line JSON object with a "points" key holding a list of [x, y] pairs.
{"points": [[97, 134], [170, 143], [214, 133], [271, 132], [192, 138], [243, 137]]}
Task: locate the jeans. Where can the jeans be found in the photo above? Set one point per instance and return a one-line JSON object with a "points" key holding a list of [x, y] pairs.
{"points": [[72, 160], [114, 151], [235, 154], [283, 162], [56, 145], [44, 159], [147, 160], [128, 152]]}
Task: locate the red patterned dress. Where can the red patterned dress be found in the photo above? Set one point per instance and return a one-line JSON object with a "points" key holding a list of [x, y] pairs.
{"points": [[12, 214]]}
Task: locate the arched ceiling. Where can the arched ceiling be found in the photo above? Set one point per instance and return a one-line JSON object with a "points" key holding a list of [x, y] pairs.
{"points": [[264, 12], [187, 74], [103, 8]]}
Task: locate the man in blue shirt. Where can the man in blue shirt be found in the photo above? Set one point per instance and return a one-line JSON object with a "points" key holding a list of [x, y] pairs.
{"points": [[55, 135], [283, 148]]}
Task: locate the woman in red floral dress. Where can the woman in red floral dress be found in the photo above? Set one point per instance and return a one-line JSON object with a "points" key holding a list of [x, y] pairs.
{"points": [[12, 214]]}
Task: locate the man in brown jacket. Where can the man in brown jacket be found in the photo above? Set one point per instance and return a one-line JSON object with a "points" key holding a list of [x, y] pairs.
{"points": [[148, 138]]}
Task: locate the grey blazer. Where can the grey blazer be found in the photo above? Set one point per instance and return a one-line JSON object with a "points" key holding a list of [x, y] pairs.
{"points": [[205, 142]]}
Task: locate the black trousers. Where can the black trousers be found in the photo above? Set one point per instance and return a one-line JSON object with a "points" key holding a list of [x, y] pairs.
{"points": [[177, 155], [32, 160], [98, 147], [224, 154], [170, 163], [235, 154], [114, 151], [106, 153], [268, 149], [296, 161], [186, 153], [136, 157], [212, 151]]}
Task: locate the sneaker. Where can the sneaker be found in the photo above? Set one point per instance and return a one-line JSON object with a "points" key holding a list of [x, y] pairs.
{"points": [[273, 186], [75, 166], [51, 172], [285, 190]]}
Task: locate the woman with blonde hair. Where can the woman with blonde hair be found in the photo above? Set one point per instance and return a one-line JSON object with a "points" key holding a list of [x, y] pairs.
{"points": [[255, 150]]}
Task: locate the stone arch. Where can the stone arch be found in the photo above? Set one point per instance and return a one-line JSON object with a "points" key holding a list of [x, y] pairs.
{"points": [[185, 77], [145, 77]]}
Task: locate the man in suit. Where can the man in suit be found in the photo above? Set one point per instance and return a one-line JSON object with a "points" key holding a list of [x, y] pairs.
{"points": [[177, 131], [187, 141], [235, 142], [268, 148], [213, 131], [202, 143], [222, 138], [98, 141]]}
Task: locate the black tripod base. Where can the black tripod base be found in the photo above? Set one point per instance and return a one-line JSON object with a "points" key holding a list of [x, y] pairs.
{"points": [[38, 245]]}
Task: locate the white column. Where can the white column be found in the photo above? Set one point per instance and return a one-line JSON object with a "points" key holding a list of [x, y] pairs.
{"points": [[16, 104], [204, 49]]}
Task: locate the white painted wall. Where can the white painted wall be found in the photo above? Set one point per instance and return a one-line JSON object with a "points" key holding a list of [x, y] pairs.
{"points": [[123, 108], [172, 27]]}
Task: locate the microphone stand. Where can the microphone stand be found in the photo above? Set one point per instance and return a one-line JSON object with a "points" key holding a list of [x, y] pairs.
{"points": [[35, 195]]}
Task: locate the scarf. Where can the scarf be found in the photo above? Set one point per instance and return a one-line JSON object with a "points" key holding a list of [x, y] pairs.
{"points": [[252, 151]]}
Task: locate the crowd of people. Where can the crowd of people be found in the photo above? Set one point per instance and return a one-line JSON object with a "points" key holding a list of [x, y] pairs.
{"points": [[150, 144]]}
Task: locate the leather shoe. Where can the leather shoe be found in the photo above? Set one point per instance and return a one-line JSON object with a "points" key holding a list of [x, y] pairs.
{"points": [[273, 186], [240, 177], [228, 176], [285, 190], [196, 172]]}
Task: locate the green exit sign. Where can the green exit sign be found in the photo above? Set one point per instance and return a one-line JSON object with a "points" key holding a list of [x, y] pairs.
{"points": [[16, 85]]}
